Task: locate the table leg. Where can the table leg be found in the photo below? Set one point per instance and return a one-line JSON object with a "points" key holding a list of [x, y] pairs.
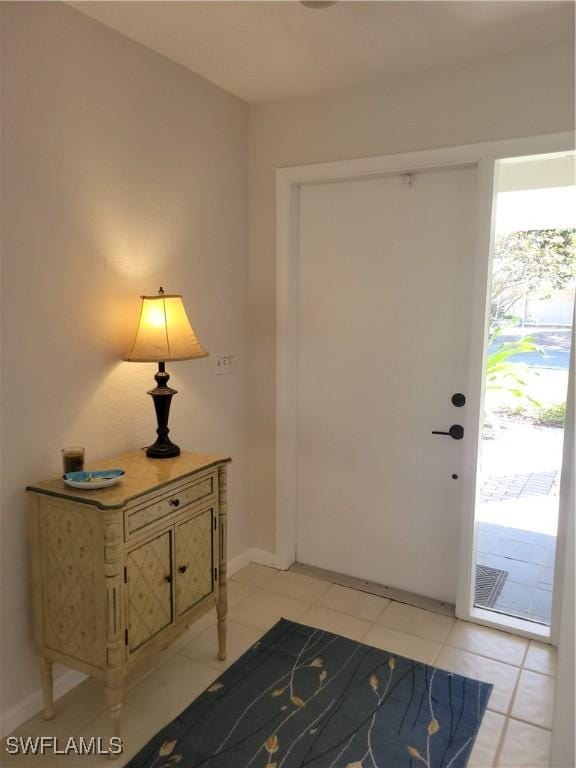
{"points": [[114, 697], [47, 687]]}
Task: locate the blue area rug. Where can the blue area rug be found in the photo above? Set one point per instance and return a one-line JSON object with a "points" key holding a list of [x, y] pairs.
{"points": [[303, 697]]}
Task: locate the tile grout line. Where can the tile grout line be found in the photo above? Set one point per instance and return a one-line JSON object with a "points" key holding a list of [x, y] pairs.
{"points": [[527, 722], [508, 716], [500, 745], [525, 656]]}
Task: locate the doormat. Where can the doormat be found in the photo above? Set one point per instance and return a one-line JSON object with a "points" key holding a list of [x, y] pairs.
{"points": [[302, 697], [489, 583]]}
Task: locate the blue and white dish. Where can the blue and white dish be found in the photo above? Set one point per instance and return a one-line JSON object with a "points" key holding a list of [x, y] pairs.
{"points": [[89, 481]]}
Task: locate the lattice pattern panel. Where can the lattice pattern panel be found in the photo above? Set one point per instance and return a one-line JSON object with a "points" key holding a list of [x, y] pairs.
{"points": [[194, 552], [149, 591], [69, 581]]}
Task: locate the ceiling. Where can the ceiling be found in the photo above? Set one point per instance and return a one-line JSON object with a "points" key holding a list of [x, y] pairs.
{"points": [[271, 50]]}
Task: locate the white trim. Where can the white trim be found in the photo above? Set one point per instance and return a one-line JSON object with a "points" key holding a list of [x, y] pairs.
{"points": [[429, 158], [566, 495], [259, 556], [286, 366], [238, 562], [473, 417], [288, 181], [32, 704], [517, 626], [263, 557]]}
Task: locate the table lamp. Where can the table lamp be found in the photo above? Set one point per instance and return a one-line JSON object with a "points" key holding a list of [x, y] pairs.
{"points": [[163, 334]]}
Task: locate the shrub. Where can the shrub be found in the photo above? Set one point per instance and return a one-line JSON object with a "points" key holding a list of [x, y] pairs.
{"points": [[552, 415]]}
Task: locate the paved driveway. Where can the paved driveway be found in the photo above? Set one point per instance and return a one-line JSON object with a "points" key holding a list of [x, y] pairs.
{"points": [[554, 342]]}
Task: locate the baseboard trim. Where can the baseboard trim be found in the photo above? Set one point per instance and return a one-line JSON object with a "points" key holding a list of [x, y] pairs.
{"points": [[238, 562], [259, 556], [263, 557], [32, 704]]}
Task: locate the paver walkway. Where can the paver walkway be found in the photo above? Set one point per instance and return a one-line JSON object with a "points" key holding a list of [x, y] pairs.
{"points": [[514, 486]]}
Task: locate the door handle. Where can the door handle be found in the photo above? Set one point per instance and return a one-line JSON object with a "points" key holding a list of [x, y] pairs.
{"points": [[456, 432], [183, 568]]}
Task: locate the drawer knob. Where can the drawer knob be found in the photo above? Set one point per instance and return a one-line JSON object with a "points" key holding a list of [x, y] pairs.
{"points": [[168, 579], [183, 568], [175, 502]]}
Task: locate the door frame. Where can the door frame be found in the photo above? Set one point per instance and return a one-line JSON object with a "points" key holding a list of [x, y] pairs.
{"points": [[288, 182]]}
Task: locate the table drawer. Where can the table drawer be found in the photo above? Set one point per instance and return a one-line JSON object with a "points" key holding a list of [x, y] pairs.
{"points": [[169, 503]]}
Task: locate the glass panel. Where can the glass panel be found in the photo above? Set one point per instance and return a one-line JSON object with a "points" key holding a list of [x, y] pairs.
{"points": [[528, 354]]}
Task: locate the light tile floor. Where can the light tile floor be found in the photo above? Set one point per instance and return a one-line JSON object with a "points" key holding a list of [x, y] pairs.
{"points": [[515, 730]]}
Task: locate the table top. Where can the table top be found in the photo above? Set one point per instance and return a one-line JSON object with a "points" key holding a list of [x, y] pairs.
{"points": [[142, 475]]}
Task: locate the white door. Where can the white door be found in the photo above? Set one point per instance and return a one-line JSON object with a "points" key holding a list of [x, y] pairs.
{"points": [[385, 289]]}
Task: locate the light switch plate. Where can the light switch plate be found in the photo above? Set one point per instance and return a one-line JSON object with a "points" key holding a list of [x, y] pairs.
{"points": [[225, 364]]}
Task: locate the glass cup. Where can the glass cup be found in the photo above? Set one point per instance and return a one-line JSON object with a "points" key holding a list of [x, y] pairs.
{"points": [[72, 459]]}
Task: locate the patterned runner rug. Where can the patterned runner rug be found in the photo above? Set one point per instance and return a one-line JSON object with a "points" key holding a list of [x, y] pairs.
{"points": [[301, 697]]}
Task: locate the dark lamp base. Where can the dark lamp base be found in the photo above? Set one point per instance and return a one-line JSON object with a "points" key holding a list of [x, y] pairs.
{"points": [[165, 450], [162, 396]]}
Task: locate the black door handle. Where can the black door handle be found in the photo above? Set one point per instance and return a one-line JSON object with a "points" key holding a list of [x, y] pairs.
{"points": [[456, 432]]}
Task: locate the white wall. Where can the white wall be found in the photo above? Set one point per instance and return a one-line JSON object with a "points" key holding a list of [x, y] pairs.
{"points": [[122, 171], [524, 94]]}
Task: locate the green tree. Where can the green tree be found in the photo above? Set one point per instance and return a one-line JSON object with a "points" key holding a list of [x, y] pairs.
{"points": [[543, 259]]}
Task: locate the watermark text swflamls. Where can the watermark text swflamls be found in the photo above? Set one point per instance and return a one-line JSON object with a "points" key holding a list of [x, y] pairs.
{"points": [[44, 745]]}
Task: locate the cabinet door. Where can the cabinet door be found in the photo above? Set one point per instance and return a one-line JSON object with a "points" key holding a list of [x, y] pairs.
{"points": [[194, 560], [149, 577]]}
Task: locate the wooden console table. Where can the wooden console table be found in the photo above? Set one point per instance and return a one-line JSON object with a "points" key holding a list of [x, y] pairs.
{"points": [[118, 573]]}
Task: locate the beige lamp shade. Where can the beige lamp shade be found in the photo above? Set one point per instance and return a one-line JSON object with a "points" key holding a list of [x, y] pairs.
{"points": [[164, 332]]}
